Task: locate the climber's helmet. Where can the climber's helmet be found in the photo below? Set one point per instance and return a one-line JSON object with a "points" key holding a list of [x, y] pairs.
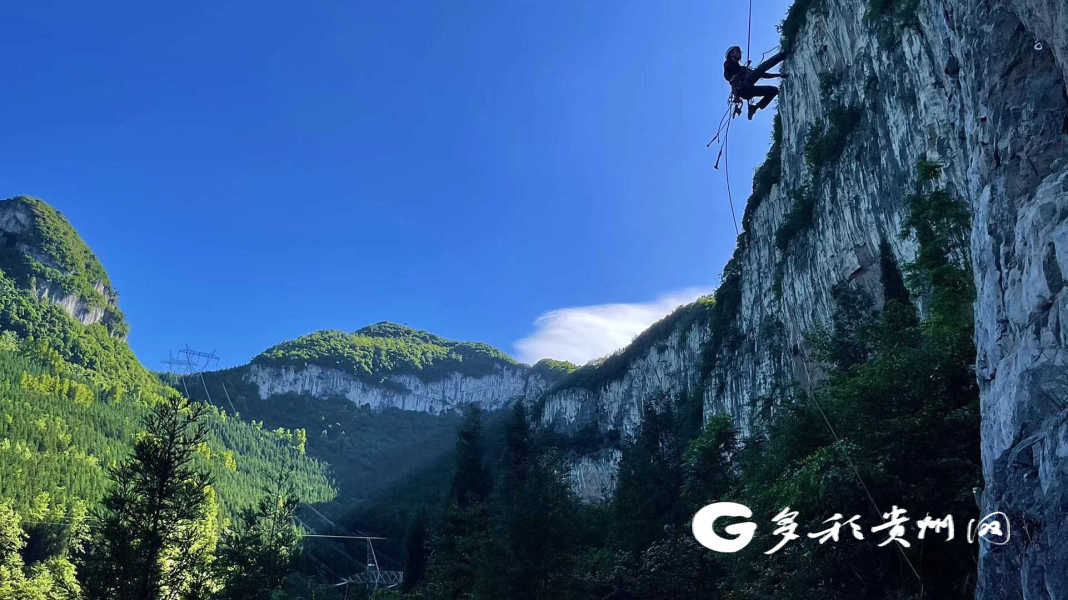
{"points": [[734, 53]]}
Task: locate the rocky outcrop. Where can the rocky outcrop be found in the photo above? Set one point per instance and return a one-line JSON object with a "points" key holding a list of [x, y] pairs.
{"points": [[78, 307], [403, 391], [669, 368], [593, 476], [40, 249]]}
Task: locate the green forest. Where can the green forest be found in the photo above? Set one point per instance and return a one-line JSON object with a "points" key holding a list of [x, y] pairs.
{"points": [[116, 482], [84, 446], [384, 349], [894, 424]]}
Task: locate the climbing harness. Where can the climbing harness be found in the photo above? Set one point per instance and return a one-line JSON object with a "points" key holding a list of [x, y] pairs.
{"points": [[734, 109], [722, 131]]}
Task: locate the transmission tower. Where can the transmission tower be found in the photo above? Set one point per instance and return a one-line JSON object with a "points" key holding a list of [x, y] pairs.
{"points": [[373, 578], [191, 362]]}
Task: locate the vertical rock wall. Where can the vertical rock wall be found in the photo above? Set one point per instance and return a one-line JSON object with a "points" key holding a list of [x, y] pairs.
{"points": [[964, 84]]}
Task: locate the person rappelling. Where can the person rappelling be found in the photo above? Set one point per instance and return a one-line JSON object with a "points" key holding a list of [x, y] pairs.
{"points": [[743, 79]]}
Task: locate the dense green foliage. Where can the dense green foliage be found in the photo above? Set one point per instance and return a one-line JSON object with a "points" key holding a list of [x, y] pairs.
{"points": [[89, 350], [516, 534], [384, 349], [255, 557], [599, 373], [368, 451], [795, 20], [824, 142], [767, 175], [35, 549], [799, 219], [904, 406], [552, 370], [56, 444], [649, 483], [889, 17], [895, 423], [155, 532], [464, 533], [74, 402], [50, 253]]}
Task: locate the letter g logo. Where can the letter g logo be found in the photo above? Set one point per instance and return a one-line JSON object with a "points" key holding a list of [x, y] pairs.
{"points": [[704, 527]]}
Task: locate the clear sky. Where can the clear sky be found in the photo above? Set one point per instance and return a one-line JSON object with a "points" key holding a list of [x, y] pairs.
{"points": [[251, 171]]}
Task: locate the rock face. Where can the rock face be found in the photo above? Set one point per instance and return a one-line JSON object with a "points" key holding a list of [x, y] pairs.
{"points": [[963, 84], [41, 251], [77, 306], [406, 392], [668, 368]]}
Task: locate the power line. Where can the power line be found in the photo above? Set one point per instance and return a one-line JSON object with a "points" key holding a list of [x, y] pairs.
{"points": [[195, 362], [845, 453]]}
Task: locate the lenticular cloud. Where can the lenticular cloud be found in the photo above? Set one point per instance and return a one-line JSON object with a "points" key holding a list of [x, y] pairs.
{"points": [[582, 333]]}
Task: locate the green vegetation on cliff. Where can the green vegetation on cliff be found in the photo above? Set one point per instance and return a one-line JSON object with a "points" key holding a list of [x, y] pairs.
{"points": [[39, 248], [597, 374], [72, 396], [553, 370], [378, 351], [824, 142], [903, 403], [75, 402], [368, 450], [62, 422]]}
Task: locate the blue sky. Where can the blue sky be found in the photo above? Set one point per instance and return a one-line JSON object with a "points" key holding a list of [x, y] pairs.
{"points": [[252, 171]]}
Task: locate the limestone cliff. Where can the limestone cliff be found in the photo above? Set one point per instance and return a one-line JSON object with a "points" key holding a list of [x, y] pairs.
{"points": [[40, 251], [392, 366], [448, 393], [874, 89]]}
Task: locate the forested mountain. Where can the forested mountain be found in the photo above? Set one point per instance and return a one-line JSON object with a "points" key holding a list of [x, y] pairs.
{"points": [[74, 400], [379, 403], [887, 339], [885, 354]]}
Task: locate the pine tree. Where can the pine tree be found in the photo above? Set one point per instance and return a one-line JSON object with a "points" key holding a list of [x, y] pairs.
{"points": [[259, 553], [415, 544], [150, 541], [533, 513], [461, 541], [649, 481]]}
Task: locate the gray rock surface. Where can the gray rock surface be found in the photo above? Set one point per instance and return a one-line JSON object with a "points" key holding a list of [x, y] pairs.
{"points": [[966, 86], [961, 83], [406, 392]]}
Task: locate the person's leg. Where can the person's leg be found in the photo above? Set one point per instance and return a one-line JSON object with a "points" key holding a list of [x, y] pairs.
{"points": [[767, 91], [768, 64]]}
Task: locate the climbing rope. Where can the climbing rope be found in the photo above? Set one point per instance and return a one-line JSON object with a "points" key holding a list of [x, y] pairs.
{"points": [[727, 174], [765, 54], [839, 443], [723, 129], [749, 35], [722, 123]]}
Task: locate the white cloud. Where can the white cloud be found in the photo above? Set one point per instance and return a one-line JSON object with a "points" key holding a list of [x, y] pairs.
{"points": [[582, 333]]}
